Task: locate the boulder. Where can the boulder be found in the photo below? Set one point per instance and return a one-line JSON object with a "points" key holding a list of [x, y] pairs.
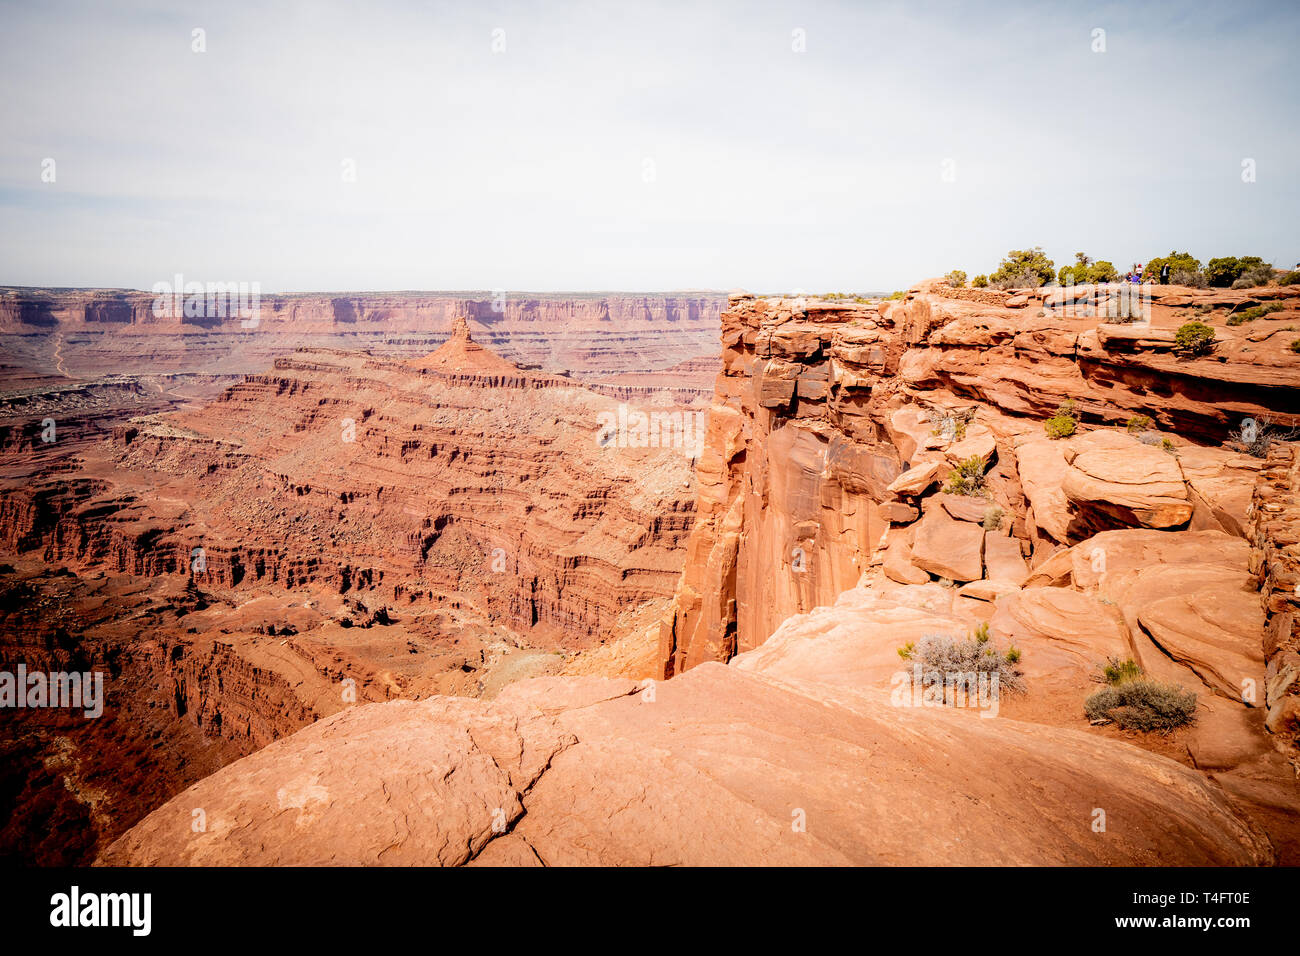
{"points": [[1042, 467], [909, 430], [792, 340], [963, 507], [1225, 735], [978, 442], [1003, 560], [1284, 716], [1208, 619], [1109, 561], [896, 512], [898, 564], [947, 547], [1057, 571], [1114, 478], [987, 590], [814, 382], [1221, 483], [916, 480]]}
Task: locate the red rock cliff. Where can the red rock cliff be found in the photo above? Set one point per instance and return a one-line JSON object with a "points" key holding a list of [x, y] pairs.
{"points": [[823, 405]]}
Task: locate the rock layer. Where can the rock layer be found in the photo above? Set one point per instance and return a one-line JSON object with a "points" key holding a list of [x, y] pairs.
{"points": [[88, 332]]}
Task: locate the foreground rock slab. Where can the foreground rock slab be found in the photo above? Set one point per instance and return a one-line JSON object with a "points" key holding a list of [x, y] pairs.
{"points": [[759, 763]]}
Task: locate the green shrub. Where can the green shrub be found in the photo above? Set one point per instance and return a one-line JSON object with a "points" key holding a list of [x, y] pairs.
{"points": [[1194, 338], [1138, 423], [1295, 346], [1142, 704], [1179, 262], [1085, 271], [905, 652], [980, 281], [1062, 424], [900, 294], [1291, 278], [1012, 656], [1255, 312], [1118, 672], [1102, 271], [1223, 271], [1023, 267], [956, 279], [968, 477]]}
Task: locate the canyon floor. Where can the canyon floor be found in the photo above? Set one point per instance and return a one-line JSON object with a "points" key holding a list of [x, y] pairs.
{"points": [[370, 608]]}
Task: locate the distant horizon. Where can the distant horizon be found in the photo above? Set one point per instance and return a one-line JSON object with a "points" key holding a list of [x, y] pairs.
{"points": [[318, 292]]}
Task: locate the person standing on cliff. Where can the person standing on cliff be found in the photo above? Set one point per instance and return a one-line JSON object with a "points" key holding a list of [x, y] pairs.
{"points": [[1164, 273]]}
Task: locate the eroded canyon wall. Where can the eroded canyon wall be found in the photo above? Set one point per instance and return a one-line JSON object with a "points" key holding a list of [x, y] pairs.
{"points": [[828, 420], [457, 473]]}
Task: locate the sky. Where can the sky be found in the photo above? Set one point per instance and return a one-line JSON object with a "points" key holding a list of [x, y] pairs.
{"points": [[654, 146]]}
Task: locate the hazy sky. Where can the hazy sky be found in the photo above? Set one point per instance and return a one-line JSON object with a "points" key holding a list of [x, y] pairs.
{"points": [[646, 146]]}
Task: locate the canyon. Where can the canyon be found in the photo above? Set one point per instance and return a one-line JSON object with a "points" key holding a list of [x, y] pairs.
{"points": [[343, 527], [684, 655]]}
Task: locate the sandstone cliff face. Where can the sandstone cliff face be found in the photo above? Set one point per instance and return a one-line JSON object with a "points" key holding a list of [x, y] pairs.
{"points": [[833, 422]]}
